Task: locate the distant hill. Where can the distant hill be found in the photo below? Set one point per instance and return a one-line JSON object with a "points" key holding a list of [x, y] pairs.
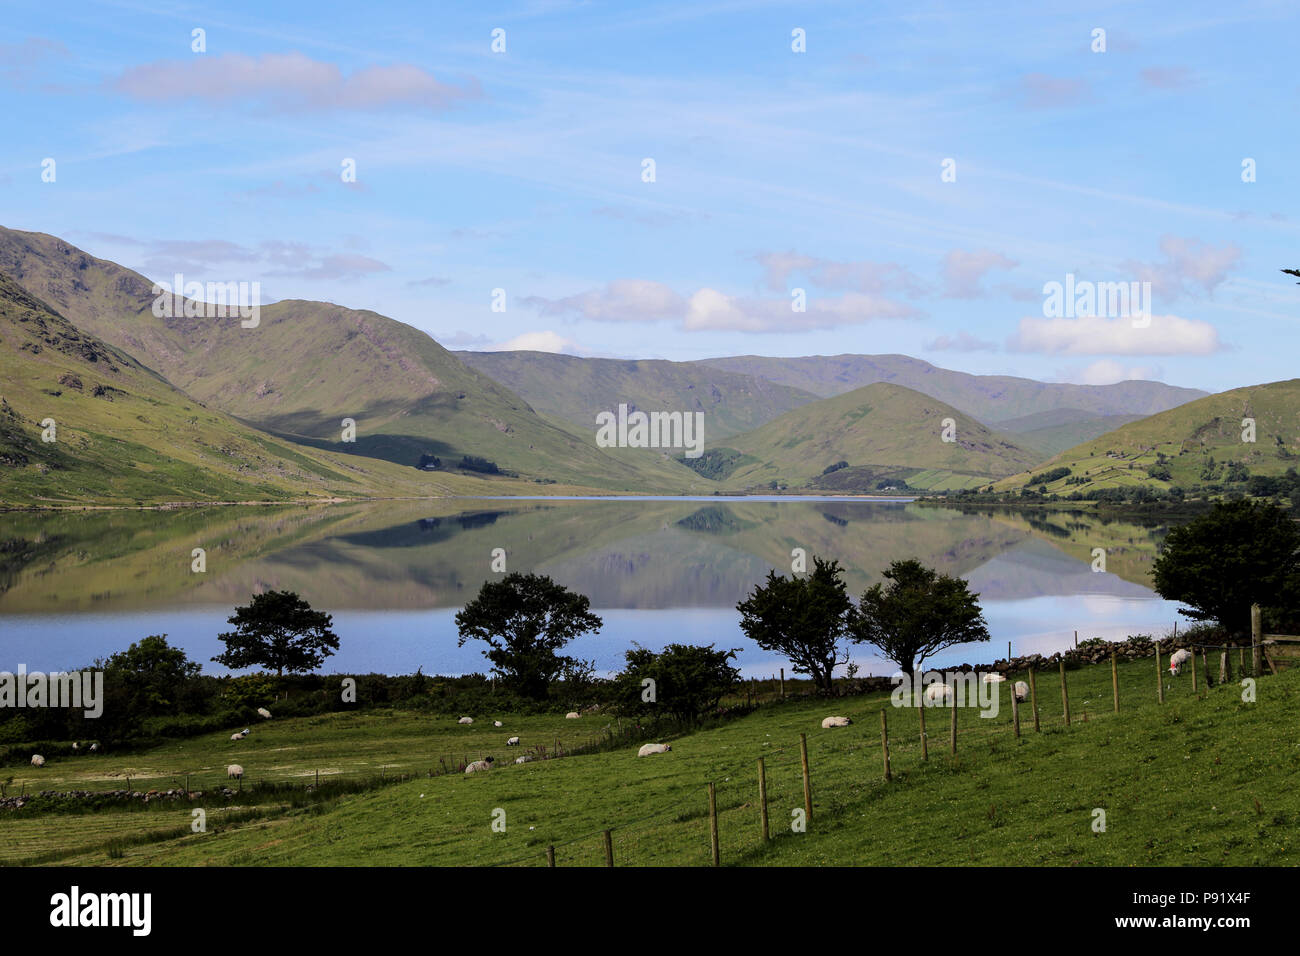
{"points": [[991, 399], [1052, 432], [123, 434], [882, 434], [310, 365], [1197, 445], [575, 388]]}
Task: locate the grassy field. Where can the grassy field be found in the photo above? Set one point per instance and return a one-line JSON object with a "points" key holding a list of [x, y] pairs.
{"points": [[1192, 781]]}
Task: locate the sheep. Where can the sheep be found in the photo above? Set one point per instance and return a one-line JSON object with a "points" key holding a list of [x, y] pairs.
{"points": [[572, 715], [648, 749], [465, 720], [477, 765], [1022, 691], [526, 758], [235, 772], [264, 713], [1177, 659], [512, 742], [236, 736], [992, 677], [938, 694], [830, 722], [38, 760], [76, 746], [497, 723], [94, 747]]}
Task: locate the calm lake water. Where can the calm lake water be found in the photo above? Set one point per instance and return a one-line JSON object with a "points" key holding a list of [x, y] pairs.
{"points": [[74, 587]]}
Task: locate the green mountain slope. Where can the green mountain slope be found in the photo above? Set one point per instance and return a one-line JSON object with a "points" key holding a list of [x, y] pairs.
{"points": [[883, 432], [310, 365], [122, 434], [991, 399], [1055, 431], [1195, 445], [576, 389]]}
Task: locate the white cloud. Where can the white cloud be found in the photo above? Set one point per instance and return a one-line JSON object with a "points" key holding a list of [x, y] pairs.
{"points": [[1164, 335], [1108, 372], [962, 271], [1189, 263], [287, 81], [547, 341], [623, 300], [709, 309]]}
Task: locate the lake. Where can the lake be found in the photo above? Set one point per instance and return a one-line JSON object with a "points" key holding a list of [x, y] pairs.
{"points": [[76, 586]]}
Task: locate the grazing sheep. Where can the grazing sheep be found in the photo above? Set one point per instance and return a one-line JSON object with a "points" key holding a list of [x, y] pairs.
{"points": [[235, 772], [830, 722], [38, 760], [938, 694], [1022, 691], [526, 758], [512, 742], [572, 715], [465, 720], [236, 736], [992, 677], [76, 746], [264, 713], [477, 765], [1177, 659], [497, 723], [648, 749], [94, 747]]}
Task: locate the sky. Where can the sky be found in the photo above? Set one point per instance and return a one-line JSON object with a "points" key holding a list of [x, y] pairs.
{"points": [[695, 179]]}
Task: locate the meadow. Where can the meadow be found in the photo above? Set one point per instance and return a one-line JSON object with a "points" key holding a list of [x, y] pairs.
{"points": [[1202, 780]]}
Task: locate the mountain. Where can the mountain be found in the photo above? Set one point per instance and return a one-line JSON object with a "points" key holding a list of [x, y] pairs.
{"points": [[1194, 445], [307, 366], [576, 389], [123, 434], [991, 399], [1052, 432], [883, 433]]}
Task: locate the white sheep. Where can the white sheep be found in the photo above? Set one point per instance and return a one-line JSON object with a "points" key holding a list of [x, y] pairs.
{"points": [[992, 677], [236, 736], [938, 694], [512, 742], [572, 715], [1022, 691], [76, 746], [497, 723], [648, 749], [94, 747], [524, 759], [264, 713], [477, 765], [38, 760], [1177, 659], [830, 722], [234, 772], [465, 720]]}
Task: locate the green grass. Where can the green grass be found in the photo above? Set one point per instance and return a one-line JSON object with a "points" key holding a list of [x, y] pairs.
{"points": [[1191, 781]]}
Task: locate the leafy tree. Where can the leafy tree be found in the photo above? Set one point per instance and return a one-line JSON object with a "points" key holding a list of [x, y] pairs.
{"points": [[1219, 563], [525, 619], [802, 618], [920, 613], [280, 631], [689, 680], [153, 675]]}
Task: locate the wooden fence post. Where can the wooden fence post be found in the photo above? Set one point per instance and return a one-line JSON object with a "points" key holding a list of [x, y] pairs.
{"points": [[609, 848], [1015, 707], [550, 856], [713, 823], [807, 780], [762, 796], [1194, 691], [953, 742], [783, 683], [1033, 697], [1256, 641], [1205, 665], [884, 742], [1114, 678], [925, 743], [1225, 669], [1241, 660], [1160, 678], [1065, 694]]}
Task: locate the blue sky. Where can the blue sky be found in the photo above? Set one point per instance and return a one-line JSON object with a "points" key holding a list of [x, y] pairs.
{"points": [[774, 170]]}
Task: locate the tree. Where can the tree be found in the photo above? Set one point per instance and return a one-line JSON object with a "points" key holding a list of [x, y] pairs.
{"points": [[688, 680], [280, 631], [802, 618], [919, 613], [525, 619], [1219, 563]]}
